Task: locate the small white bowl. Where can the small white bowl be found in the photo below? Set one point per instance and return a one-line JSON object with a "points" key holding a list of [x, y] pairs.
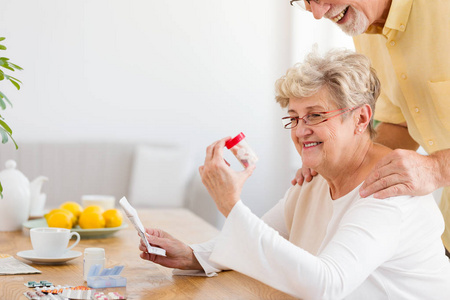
{"points": [[105, 201]]}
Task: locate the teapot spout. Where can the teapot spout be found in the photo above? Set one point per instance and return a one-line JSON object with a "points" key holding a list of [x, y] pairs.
{"points": [[36, 185]]}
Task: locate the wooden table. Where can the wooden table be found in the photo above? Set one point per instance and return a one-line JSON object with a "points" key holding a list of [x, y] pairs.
{"points": [[145, 280]]}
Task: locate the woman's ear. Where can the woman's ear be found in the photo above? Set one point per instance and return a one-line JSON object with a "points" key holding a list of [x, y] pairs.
{"points": [[363, 116]]}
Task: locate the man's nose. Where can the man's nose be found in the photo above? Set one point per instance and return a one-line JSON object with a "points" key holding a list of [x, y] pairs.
{"points": [[319, 9]]}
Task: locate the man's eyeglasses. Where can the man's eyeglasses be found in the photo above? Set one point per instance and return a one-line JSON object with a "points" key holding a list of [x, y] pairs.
{"points": [[301, 3], [314, 118]]}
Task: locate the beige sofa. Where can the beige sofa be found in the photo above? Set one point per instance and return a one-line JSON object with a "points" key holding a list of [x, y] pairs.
{"points": [[149, 175]]}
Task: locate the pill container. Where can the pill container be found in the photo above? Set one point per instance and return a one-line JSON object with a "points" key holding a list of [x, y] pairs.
{"points": [[93, 256], [241, 149], [109, 277]]}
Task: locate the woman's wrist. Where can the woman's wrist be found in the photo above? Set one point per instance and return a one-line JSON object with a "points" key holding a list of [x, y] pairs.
{"points": [[227, 206], [192, 262]]}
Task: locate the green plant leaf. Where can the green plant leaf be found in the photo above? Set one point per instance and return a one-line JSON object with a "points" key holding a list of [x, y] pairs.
{"points": [[15, 66], [2, 103], [2, 75], [5, 126], [14, 141], [7, 67], [15, 79], [3, 96], [1, 190], [16, 84], [2, 39], [2, 47], [4, 136]]}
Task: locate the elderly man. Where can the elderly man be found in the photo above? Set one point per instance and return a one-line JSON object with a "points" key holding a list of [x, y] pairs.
{"points": [[409, 45]]}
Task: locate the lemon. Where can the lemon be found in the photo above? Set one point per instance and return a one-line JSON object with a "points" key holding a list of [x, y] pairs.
{"points": [[60, 219], [91, 220], [93, 208], [74, 208], [113, 218], [60, 210]]}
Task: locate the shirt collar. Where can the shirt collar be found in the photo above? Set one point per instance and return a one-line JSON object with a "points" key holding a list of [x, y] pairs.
{"points": [[397, 18]]}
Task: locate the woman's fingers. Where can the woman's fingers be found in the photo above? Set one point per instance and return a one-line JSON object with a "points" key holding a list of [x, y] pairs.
{"points": [[215, 149], [157, 241], [218, 148]]}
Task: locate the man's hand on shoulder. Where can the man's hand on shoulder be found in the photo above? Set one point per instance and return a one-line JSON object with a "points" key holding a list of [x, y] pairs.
{"points": [[402, 172], [303, 174]]}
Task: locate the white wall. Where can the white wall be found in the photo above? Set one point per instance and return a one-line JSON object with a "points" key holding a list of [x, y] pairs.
{"points": [[188, 72]]}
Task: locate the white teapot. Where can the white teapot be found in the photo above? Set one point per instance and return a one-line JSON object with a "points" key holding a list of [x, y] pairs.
{"points": [[17, 195]]}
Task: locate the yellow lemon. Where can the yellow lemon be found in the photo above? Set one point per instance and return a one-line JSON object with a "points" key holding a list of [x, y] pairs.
{"points": [[91, 220], [93, 208], [113, 218], [60, 220], [61, 210], [74, 208]]}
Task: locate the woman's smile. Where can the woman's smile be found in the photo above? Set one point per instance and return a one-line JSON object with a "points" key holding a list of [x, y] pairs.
{"points": [[307, 145]]}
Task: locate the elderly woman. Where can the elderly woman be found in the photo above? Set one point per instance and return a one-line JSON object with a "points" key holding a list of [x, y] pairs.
{"points": [[322, 240]]}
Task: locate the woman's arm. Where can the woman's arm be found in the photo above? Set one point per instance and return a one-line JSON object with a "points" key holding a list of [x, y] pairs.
{"points": [[274, 218], [360, 245]]}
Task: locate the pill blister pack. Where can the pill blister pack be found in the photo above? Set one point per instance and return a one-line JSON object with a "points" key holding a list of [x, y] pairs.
{"points": [[109, 296], [42, 292], [38, 295]]}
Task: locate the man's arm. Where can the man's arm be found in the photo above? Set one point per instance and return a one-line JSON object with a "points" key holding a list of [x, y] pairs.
{"points": [[395, 136], [442, 159], [404, 172]]}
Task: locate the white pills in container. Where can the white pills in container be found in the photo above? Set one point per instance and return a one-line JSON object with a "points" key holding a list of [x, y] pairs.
{"points": [[241, 149]]}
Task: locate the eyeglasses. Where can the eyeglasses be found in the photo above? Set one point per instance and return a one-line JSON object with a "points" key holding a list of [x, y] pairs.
{"points": [[314, 118], [301, 3]]}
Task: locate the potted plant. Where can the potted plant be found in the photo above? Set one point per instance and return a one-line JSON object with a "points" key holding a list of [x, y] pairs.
{"points": [[6, 66]]}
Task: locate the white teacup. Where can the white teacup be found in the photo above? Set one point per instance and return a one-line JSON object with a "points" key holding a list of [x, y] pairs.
{"points": [[52, 242]]}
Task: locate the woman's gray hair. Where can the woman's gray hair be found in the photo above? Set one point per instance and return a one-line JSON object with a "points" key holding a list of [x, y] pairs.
{"points": [[348, 77]]}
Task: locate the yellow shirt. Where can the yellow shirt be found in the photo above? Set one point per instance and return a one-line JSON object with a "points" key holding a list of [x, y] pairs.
{"points": [[411, 54]]}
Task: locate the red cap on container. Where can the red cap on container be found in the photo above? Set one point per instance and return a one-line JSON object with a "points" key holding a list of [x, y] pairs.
{"points": [[234, 141]]}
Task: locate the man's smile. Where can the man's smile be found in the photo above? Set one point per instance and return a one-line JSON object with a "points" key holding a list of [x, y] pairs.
{"points": [[340, 16]]}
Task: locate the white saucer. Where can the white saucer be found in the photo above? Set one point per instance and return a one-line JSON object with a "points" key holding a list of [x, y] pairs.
{"points": [[31, 255]]}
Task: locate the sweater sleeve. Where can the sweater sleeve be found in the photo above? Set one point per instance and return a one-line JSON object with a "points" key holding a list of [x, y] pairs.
{"points": [[202, 253], [361, 243], [274, 218]]}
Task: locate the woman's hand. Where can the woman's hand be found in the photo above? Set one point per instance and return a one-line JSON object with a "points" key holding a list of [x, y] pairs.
{"points": [[223, 183], [179, 255], [303, 174]]}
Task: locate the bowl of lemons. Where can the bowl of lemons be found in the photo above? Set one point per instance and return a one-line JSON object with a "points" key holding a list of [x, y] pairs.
{"points": [[90, 222]]}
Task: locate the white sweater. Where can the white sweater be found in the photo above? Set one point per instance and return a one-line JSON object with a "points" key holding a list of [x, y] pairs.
{"points": [[373, 249]]}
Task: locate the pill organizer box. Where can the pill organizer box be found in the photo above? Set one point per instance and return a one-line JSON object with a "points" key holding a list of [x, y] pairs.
{"points": [[108, 277]]}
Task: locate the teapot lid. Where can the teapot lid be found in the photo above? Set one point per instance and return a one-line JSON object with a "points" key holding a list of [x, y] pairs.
{"points": [[10, 164], [11, 173]]}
